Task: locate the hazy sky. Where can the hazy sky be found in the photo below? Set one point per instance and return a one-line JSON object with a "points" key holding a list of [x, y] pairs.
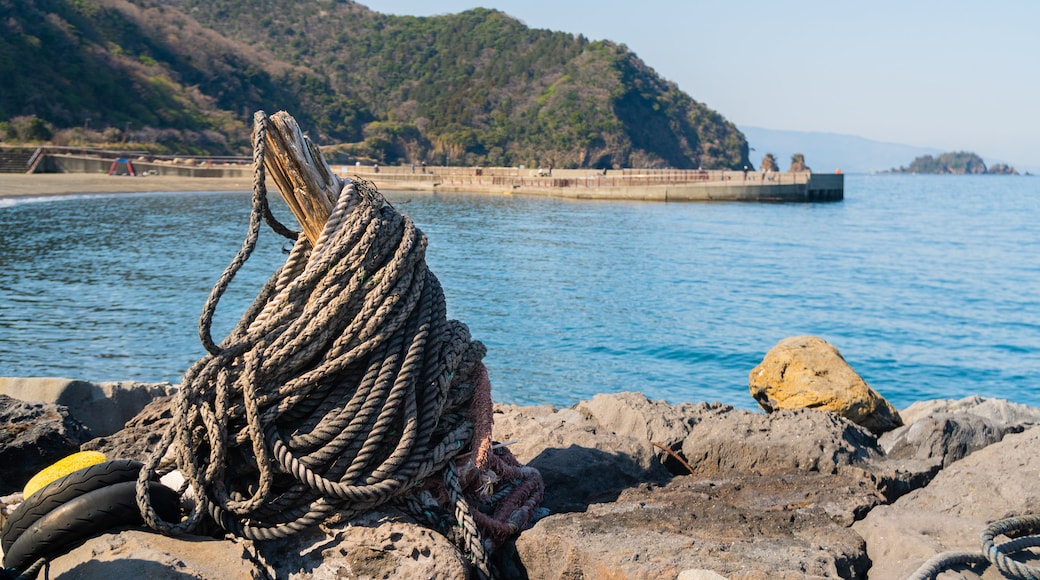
{"points": [[952, 75]]}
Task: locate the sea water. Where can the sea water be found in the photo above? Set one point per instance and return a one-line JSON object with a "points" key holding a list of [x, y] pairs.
{"points": [[928, 285]]}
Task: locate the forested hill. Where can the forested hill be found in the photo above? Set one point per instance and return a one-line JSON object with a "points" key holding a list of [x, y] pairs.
{"points": [[476, 88], [957, 163]]}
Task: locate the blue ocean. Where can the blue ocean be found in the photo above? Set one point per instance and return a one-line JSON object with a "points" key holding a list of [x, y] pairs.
{"points": [[928, 285]]}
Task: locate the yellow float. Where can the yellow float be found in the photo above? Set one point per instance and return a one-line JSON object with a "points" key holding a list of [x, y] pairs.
{"points": [[60, 469]]}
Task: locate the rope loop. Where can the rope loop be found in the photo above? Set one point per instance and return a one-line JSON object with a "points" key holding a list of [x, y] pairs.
{"points": [[261, 210], [992, 553]]}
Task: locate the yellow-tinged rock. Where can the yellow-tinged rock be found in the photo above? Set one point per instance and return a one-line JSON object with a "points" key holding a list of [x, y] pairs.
{"points": [[808, 372], [61, 468]]}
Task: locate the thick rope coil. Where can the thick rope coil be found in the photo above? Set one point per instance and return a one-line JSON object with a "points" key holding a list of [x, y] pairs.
{"points": [[343, 387], [995, 554]]}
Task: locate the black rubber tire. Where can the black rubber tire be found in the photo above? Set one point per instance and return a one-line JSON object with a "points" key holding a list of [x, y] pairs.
{"points": [[62, 490], [88, 515]]}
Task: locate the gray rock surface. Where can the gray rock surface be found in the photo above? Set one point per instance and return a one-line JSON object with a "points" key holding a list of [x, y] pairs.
{"points": [[938, 433], [999, 410], [802, 439], [943, 438], [776, 526], [138, 554], [999, 481], [32, 436], [771, 496], [103, 407], [634, 415], [792, 494], [581, 461], [375, 545], [139, 436]]}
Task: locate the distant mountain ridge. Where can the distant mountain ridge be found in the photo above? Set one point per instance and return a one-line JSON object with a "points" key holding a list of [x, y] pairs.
{"points": [[474, 88], [829, 152]]}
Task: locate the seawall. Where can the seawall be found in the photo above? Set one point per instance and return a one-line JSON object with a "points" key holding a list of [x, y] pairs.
{"points": [[619, 184]]}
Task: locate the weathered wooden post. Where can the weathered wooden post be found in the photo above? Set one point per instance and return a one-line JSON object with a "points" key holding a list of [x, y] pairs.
{"points": [[299, 170]]}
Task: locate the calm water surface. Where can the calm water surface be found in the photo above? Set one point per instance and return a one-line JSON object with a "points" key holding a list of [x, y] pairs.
{"points": [[927, 284]]}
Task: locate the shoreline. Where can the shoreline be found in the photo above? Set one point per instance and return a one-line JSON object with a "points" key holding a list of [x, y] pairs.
{"points": [[14, 185]]}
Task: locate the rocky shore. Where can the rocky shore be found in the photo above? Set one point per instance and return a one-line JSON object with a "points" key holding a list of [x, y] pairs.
{"points": [[50, 184], [635, 488]]}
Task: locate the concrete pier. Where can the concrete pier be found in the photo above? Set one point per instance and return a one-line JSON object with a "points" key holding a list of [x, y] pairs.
{"points": [[627, 184], [630, 184]]}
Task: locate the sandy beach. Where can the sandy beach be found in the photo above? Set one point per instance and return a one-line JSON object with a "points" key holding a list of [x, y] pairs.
{"points": [[45, 184]]}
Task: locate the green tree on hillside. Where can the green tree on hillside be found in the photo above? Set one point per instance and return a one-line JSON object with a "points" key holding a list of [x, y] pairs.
{"points": [[1001, 169], [959, 162], [478, 87]]}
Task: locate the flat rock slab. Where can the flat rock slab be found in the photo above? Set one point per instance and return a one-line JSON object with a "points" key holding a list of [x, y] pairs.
{"points": [[142, 554], [747, 527], [377, 545]]}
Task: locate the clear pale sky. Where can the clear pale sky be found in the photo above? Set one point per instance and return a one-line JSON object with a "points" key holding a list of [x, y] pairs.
{"points": [[953, 75]]}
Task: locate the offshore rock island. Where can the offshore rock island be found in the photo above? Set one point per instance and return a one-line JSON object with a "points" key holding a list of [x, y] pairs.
{"points": [[956, 163]]}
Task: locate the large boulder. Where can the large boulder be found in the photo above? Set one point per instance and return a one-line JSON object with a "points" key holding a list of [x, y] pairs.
{"points": [[943, 437], [140, 436], [103, 407], [662, 425], [581, 460], [808, 372], [993, 483], [33, 436]]}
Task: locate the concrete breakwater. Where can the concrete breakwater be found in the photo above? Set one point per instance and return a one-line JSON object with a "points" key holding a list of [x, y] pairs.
{"points": [[620, 184]]}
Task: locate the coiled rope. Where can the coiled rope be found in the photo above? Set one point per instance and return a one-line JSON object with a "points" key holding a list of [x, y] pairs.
{"points": [[342, 388], [995, 554]]}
